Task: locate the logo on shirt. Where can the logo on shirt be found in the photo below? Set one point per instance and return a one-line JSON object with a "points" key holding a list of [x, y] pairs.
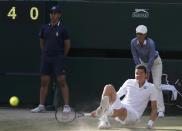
{"points": [[145, 87], [140, 13]]}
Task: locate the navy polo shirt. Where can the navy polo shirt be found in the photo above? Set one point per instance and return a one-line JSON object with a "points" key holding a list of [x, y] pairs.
{"points": [[54, 37]]}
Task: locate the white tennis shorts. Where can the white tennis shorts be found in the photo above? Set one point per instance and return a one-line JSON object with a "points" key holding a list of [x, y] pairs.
{"points": [[132, 116]]}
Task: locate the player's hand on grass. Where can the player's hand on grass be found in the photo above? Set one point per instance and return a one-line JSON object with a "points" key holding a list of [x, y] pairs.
{"points": [[93, 113], [150, 124]]}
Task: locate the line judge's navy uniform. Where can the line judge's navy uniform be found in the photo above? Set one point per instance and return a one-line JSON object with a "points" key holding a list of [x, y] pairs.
{"points": [[52, 59]]}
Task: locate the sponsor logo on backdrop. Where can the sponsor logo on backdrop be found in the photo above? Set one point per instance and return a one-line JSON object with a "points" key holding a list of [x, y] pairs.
{"points": [[140, 13]]}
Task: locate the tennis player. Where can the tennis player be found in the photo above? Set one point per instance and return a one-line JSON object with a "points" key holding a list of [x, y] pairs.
{"points": [[138, 92]]}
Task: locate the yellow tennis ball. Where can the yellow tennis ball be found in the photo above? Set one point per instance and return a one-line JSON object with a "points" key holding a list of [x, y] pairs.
{"points": [[14, 101]]}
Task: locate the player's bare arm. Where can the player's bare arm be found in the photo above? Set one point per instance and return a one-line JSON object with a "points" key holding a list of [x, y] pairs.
{"points": [[67, 45], [153, 114]]}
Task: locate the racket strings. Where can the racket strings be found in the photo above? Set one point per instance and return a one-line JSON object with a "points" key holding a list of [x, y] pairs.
{"points": [[65, 116]]}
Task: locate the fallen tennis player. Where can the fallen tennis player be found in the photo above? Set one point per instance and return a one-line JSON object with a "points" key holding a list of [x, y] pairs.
{"points": [[138, 92]]}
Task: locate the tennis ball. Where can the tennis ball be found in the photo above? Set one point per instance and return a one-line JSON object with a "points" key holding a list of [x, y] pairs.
{"points": [[14, 101]]}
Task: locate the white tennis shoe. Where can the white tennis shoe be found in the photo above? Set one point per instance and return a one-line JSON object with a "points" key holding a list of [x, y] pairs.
{"points": [[66, 109], [104, 106], [104, 122], [39, 109]]}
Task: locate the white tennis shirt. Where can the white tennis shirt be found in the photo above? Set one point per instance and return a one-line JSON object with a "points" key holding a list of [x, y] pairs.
{"points": [[137, 97]]}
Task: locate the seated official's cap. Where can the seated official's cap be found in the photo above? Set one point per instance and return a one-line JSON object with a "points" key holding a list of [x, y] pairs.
{"points": [[55, 9], [141, 29]]}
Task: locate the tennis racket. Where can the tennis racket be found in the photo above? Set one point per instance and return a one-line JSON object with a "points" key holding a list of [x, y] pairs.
{"points": [[67, 117]]}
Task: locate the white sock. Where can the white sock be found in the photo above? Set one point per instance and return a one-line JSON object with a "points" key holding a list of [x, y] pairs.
{"points": [[66, 106], [40, 105]]}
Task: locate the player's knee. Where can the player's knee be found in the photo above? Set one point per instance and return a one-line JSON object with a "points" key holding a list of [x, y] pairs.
{"points": [[108, 87], [62, 83], [44, 83]]}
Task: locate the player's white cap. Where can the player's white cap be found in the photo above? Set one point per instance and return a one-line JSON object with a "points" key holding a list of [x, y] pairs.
{"points": [[141, 29]]}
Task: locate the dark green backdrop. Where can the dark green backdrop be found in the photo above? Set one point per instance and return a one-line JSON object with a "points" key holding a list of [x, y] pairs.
{"points": [[93, 26], [111, 25]]}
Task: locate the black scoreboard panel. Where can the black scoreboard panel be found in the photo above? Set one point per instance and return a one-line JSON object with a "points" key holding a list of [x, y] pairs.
{"points": [[20, 22], [24, 12]]}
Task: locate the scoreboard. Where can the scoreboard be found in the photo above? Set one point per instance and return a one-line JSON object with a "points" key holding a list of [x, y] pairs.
{"points": [[20, 22], [22, 11]]}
